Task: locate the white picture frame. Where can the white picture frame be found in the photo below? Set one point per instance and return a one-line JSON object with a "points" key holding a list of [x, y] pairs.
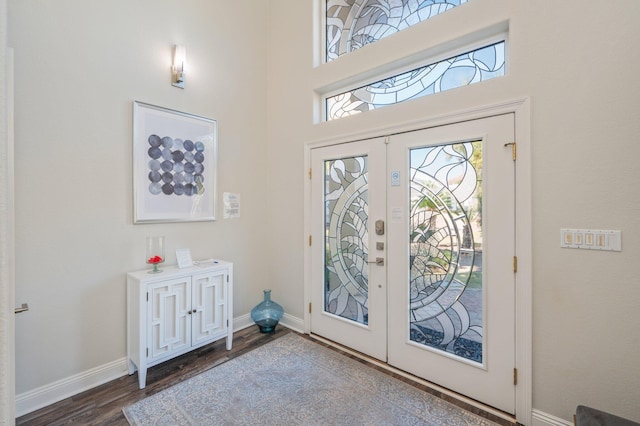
{"points": [[183, 257], [174, 165]]}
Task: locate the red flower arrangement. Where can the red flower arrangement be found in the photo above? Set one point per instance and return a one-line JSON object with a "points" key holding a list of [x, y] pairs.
{"points": [[155, 259]]}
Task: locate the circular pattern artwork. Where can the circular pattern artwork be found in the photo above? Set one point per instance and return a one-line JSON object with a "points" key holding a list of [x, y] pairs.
{"points": [[176, 166]]}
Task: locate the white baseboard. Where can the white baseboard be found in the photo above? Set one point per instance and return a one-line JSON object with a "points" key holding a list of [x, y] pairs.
{"points": [[294, 323], [57, 391], [289, 321], [43, 396], [539, 418], [242, 322]]}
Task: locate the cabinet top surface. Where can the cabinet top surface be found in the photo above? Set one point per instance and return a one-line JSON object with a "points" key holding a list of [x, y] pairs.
{"points": [[172, 271]]}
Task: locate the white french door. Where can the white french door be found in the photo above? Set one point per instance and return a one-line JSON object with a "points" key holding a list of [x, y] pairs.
{"points": [[413, 251], [349, 293], [452, 284]]}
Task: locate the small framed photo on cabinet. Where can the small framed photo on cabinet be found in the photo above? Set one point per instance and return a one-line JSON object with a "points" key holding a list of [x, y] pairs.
{"points": [[183, 256]]}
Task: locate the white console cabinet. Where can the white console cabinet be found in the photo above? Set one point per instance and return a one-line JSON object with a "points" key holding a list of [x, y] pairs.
{"points": [[175, 311]]}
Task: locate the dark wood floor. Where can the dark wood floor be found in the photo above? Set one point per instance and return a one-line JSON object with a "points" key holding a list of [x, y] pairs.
{"points": [[103, 405]]}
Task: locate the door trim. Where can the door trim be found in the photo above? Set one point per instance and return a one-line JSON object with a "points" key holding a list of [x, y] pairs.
{"points": [[524, 319], [7, 242]]}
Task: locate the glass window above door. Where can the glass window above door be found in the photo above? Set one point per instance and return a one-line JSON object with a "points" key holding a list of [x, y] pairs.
{"points": [[352, 24], [472, 67]]}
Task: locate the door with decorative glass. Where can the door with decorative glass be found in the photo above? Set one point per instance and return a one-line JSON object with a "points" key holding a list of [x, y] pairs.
{"points": [[451, 258], [440, 300], [349, 294]]}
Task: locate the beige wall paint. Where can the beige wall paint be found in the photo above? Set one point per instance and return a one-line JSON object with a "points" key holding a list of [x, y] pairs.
{"points": [[578, 62], [79, 66]]}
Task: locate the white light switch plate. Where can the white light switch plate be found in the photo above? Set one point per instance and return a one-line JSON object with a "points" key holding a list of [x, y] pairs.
{"points": [[591, 239]]}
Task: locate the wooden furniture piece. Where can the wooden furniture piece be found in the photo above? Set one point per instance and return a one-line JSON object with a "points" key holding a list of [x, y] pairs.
{"points": [[175, 311]]}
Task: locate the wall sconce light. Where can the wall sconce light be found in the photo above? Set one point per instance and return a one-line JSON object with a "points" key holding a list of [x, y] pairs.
{"points": [[177, 69]]}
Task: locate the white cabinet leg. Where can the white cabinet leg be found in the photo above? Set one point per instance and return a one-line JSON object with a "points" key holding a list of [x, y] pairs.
{"points": [[142, 377]]}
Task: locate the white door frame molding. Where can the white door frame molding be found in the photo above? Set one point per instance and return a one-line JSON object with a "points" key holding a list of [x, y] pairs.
{"points": [[524, 319], [7, 235]]}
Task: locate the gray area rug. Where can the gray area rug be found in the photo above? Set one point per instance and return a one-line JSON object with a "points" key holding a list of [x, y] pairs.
{"points": [[293, 381]]}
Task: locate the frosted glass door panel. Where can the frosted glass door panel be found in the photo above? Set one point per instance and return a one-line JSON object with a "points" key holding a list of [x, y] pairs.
{"points": [[346, 238], [445, 238]]}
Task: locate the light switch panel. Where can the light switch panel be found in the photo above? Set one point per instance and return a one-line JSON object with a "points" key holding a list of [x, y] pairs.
{"points": [[591, 239]]}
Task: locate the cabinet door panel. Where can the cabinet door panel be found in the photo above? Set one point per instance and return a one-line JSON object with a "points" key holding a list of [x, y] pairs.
{"points": [[169, 319], [209, 305]]}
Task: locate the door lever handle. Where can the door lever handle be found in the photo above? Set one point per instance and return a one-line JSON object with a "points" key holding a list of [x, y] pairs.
{"points": [[23, 308], [379, 261]]}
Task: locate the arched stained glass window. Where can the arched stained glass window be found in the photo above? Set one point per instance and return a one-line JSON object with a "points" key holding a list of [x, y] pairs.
{"points": [[351, 24], [471, 67]]}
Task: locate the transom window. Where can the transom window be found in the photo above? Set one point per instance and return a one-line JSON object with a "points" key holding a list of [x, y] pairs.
{"points": [[472, 67], [351, 24]]}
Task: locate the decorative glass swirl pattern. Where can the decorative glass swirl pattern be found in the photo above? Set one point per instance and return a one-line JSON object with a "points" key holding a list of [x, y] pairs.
{"points": [[469, 68], [346, 238], [352, 24], [446, 248]]}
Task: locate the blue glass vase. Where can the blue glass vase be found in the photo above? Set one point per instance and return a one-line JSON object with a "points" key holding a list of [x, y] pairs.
{"points": [[267, 314]]}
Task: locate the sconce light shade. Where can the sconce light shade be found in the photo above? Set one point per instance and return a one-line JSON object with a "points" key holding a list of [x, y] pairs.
{"points": [[177, 69]]}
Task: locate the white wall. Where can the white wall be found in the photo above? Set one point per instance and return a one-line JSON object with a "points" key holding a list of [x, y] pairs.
{"points": [[578, 62], [79, 66]]}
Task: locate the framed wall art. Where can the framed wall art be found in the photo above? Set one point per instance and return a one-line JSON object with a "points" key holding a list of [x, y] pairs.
{"points": [[174, 165]]}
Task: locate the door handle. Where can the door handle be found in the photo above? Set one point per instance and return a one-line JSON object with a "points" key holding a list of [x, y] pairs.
{"points": [[23, 308], [379, 261]]}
